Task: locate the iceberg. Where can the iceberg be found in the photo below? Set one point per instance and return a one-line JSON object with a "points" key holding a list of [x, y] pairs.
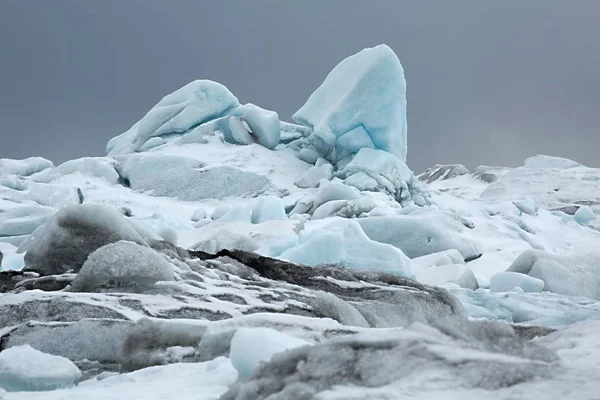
{"points": [[197, 102], [361, 104]]}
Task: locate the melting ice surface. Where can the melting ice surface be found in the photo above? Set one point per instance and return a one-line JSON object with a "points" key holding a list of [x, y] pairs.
{"points": [[204, 172]]}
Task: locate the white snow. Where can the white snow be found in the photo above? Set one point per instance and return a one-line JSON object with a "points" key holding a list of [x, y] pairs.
{"points": [[23, 368], [363, 97]]}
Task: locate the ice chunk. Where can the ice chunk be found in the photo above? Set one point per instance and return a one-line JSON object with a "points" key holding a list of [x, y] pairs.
{"points": [[364, 97], [187, 179], [50, 195], [252, 346], [221, 210], [331, 191], [238, 212], [390, 173], [25, 167], [308, 155], [527, 206], [124, 264], [194, 104], [75, 231], [459, 274], [9, 259], [420, 235], [506, 281], [584, 215], [314, 175], [262, 126], [446, 257], [576, 275], [23, 368], [23, 220], [268, 208], [342, 242], [99, 167]]}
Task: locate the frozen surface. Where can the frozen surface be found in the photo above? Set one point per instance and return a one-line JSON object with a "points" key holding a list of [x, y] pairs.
{"points": [[23, 368], [99, 167], [187, 178], [361, 103]]}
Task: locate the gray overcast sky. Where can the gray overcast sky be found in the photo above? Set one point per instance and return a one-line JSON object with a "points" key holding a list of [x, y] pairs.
{"points": [[489, 82]]}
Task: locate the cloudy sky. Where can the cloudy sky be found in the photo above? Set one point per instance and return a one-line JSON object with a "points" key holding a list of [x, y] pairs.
{"points": [[489, 82]]}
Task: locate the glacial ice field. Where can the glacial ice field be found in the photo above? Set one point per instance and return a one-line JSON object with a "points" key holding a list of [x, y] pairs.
{"points": [[217, 252]]}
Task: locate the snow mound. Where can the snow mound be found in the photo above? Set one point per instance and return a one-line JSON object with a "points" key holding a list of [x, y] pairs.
{"points": [[23, 368], [551, 184], [89, 166], [25, 167], [252, 346], [65, 241], [122, 264], [442, 172], [361, 103], [188, 179], [344, 243], [26, 191], [542, 161], [192, 105]]}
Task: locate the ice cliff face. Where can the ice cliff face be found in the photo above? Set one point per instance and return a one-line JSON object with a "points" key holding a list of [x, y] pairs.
{"points": [[285, 261]]}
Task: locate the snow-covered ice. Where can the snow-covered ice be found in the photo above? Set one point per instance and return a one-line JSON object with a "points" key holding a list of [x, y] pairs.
{"points": [[23, 368]]}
